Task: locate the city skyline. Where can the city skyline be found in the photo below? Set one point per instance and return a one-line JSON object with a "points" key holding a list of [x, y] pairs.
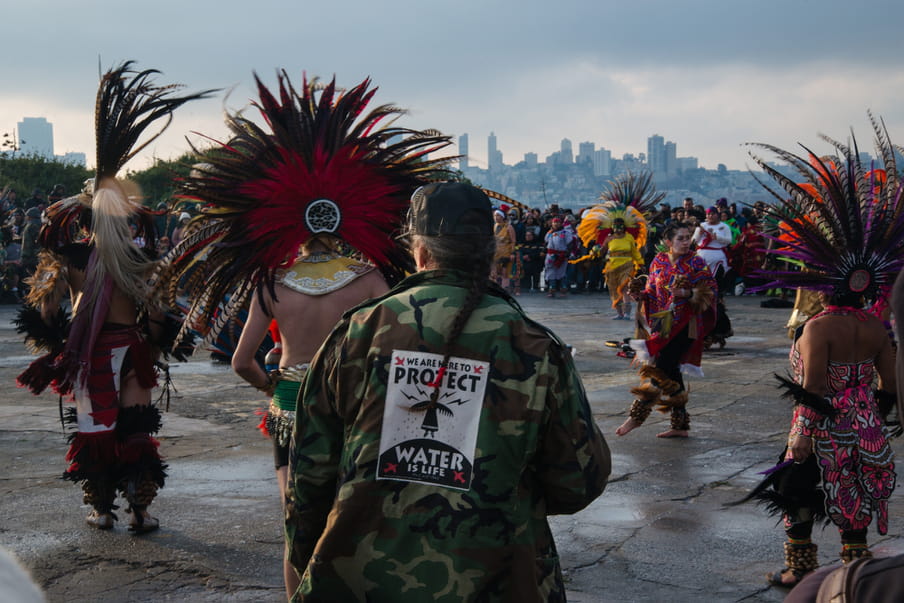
{"points": [[709, 75], [660, 156], [34, 135], [529, 180]]}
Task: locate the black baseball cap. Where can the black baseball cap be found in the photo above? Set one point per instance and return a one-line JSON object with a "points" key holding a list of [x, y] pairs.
{"points": [[451, 208]]}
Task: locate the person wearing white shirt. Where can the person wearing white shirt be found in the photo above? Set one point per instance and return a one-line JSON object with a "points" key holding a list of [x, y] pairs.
{"points": [[712, 238]]}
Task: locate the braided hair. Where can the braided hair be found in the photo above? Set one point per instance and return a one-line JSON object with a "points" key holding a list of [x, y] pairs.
{"points": [[472, 256]]}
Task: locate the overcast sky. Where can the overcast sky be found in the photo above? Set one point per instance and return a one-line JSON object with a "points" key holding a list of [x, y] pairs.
{"points": [[708, 75]]}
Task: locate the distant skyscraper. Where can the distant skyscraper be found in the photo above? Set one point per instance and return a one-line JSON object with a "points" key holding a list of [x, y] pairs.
{"points": [[671, 155], [585, 152], [494, 156], [36, 136], [463, 151], [530, 160], [656, 155], [602, 163], [566, 155]]}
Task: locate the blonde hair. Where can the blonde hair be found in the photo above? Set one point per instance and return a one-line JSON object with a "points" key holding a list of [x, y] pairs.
{"points": [[117, 254]]}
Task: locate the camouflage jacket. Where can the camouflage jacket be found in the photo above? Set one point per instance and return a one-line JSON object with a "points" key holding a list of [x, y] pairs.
{"points": [[396, 497]]}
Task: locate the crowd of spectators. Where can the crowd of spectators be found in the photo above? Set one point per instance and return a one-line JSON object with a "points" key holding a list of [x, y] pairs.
{"points": [[584, 274], [21, 221], [522, 271]]}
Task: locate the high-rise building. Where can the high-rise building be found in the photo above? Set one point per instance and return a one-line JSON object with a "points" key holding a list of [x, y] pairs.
{"points": [[494, 156], [530, 160], [585, 152], [656, 155], [565, 154], [602, 163], [463, 151], [36, 136], [671, 156]]}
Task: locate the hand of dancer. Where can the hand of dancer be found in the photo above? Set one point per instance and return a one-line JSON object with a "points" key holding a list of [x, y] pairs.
{"points": [[801, 448], [636, 288]]}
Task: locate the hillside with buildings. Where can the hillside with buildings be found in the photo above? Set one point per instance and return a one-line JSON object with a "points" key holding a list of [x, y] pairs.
{"points": [[575, 181]]}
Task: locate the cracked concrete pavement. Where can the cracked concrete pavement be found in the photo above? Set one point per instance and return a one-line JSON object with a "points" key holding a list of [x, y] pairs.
{"points": [[659, 532]]}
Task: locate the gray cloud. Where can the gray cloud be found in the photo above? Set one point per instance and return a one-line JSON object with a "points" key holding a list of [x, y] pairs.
{"points": [[707, 74]]}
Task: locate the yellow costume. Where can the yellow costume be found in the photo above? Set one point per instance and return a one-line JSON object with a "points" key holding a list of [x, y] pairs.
{"points": [[626, 200], [623, 260]]}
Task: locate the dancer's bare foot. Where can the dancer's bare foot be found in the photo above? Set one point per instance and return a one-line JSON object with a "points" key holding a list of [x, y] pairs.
{"points": [[786, 578], [141, 523], [629, 425], [673, 433], [101, 521]]}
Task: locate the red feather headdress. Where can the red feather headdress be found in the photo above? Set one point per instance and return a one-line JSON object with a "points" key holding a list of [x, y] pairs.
{"points": [[322, 166]]}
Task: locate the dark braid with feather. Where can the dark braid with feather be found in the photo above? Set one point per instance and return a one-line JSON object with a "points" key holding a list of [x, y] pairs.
{"points": [[472, 256]]}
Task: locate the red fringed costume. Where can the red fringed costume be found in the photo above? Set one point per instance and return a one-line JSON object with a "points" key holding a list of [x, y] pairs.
{"points": [[89, 250]]}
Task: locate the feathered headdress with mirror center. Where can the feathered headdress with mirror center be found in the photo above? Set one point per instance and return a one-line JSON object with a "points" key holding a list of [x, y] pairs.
{"points": [[319, 166], [629, 197], [842, 221]]}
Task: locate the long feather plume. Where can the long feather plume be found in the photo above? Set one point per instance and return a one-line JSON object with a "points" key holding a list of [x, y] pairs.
{"points": [[503, 198], [128, 103], [633, 190]]}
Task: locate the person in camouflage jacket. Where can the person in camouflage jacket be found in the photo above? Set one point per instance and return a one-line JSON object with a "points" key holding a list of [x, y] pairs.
{"points": [[437, 429]]}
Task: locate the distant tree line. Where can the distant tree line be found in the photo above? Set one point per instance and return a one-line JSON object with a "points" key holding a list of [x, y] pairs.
{"points": [[24, 173]]}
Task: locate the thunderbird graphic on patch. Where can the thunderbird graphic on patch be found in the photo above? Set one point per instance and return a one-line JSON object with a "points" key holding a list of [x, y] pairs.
{"points": [[417, 444]]}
